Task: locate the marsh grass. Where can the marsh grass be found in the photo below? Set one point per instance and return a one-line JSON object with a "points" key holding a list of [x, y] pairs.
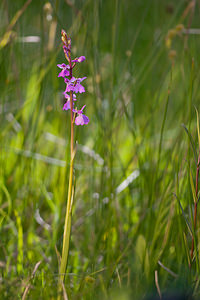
{"points": [[119, 239]]}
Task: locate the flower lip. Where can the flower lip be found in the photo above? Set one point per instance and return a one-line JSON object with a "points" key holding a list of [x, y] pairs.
{"points": [[82, 120], [67, 105]]}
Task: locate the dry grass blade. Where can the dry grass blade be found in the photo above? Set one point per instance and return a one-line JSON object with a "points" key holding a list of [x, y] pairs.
{"points": [[64, 292], [32, 276], [119, 279], [58, 255], [157, 284], [168, 270]]}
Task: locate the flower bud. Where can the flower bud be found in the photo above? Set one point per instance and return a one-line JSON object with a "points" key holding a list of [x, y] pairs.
{"points": [[66, 52], [64, 37]]}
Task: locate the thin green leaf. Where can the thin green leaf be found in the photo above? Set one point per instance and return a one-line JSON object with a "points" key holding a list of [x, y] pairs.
{"points": [[193, 188], [186, 248], [191, 142], [186, 220], [20, 243]]}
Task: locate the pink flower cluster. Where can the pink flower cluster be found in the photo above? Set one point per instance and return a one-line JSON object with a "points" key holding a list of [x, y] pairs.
{"points": [[73, 85]]}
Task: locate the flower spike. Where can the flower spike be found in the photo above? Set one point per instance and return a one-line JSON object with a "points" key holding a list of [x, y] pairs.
{"points": [[73, 85]]}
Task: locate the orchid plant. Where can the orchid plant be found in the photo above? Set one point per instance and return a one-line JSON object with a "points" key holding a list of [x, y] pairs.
{"points": [[73, 87]]}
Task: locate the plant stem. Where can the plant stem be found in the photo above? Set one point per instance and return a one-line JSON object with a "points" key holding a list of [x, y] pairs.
{"points": [[67, 226]]}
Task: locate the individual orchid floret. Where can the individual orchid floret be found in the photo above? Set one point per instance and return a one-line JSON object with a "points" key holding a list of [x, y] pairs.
{"points": [[79, 59], [78, 88], [81, 119], [69, 85], [67, 105], [74, 85], [65, 70]]}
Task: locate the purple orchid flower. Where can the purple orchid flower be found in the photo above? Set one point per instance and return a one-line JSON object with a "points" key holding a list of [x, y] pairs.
{"points": [[81, 119], [67, 104], [74, 85], [79, 59], [64, 71]]}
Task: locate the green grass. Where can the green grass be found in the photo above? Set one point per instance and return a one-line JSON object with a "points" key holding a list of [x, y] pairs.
{"points": [[120, 237]]}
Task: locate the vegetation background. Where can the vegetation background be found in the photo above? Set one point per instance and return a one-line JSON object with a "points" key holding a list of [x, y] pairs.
{"points": [[135, 165]]}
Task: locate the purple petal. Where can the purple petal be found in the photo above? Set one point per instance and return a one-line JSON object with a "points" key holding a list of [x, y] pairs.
{"points": [[83, 108], [79, 59], [76, 88], [69, 88], [66, 80], [67, 105], [73, 79], [81, 79], [85, 119], [75, 110], [64, 73], [79, 88], [81, 120], [61, 66], [68, 96], [67, 73]]}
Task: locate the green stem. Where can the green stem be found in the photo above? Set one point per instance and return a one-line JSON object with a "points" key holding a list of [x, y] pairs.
{"points": [[67, 227]]}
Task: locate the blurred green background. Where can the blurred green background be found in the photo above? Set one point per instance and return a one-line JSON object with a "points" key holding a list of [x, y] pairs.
{"points": [[142, 68]]}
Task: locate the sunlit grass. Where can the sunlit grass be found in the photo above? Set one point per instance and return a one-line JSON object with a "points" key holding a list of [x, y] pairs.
{"points": [[121, 233]]}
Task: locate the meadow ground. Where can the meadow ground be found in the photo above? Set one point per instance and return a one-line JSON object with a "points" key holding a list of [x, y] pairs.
{"points": [[137, 161]]}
